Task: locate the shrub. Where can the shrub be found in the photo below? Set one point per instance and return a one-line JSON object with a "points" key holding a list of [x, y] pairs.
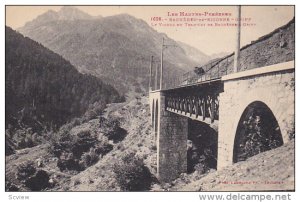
{"points": [[131, 174], [90, 158], [77, 152], [61, 142], [112, 130], [94, 111], [39, 181], [75, 144], [34, 179], [68, 162], [103, 148], [24, 138], [10, 186], [259, 136], [25, 170], [117, 134], [83, 142]]}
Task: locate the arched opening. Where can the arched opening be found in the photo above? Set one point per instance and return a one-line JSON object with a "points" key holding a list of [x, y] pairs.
{"points": [[257, 131], [156, 119]]}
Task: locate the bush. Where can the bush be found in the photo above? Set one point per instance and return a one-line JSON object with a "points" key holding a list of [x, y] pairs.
{"points": [[84, 141], [90, 158], [131, 174], [10, 186], [23, 138], [61, 142], [103, 148], [75, 144], [259, 137], [39, 181], [25, 142], [68, 162], [25, 170], [77, 152], [112, 130], [34, 179]]}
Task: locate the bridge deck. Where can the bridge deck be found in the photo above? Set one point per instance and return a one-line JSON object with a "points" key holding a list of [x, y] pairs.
{"points": [[212, 81]]}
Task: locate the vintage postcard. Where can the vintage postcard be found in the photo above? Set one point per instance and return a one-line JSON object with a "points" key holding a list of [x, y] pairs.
{"points": [[149, 98]]}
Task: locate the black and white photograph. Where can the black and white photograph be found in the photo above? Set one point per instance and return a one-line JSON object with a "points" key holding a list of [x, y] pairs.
{"points": [[150, 98]]}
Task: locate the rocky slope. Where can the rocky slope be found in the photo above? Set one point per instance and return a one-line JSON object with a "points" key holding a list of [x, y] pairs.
{"points": [[271, 170], [267, 171], [139, 139]]}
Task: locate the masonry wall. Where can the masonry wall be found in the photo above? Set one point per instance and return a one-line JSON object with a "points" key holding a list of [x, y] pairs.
{"points": [[276, 90], [171, 140], [275, 47]]}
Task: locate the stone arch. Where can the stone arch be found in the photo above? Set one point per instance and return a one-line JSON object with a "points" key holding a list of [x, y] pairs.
{"points": [[257, 130], [269, 98]]}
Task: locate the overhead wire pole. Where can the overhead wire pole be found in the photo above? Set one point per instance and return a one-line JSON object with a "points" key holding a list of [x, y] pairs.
{"points": [[150, 74], [161, 65], [156, 75], [162, 62], [238, 41]]}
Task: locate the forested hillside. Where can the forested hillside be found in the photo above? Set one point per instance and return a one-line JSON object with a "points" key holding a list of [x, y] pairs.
{"points": [[42, 89]]}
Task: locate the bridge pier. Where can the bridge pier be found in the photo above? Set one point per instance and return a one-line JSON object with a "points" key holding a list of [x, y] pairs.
{"points": [[171, 140]]}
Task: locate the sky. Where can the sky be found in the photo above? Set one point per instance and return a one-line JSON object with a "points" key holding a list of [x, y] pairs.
{"points": [[210, 40]]}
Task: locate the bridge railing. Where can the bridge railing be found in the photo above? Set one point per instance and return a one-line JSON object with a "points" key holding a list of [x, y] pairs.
{"points": [[211, 71]]}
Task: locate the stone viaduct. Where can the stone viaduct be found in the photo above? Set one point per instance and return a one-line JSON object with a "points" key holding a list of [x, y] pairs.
{"points": [[223, 101], [272, 86]]}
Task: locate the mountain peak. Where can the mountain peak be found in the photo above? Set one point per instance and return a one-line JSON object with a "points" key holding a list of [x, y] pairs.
{"points": [[72, 13], [66, 13]]}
